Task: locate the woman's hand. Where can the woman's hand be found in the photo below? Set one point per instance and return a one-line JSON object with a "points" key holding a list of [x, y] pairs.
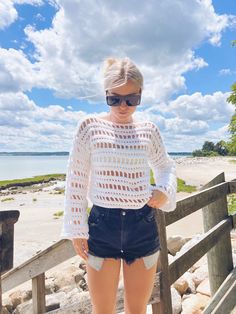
{"points": [[158, 199], [81, 247]]}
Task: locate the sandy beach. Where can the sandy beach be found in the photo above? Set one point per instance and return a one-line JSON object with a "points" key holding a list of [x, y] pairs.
{"points": [[38, 228]]}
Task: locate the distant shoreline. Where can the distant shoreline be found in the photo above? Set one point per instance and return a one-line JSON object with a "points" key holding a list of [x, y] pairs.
{"points": [[63, 153]]}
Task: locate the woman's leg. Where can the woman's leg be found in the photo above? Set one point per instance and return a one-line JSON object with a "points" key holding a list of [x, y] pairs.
{"points": [[103, 285], [138, 286]]}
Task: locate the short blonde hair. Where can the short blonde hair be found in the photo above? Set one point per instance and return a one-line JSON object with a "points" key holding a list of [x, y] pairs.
{"points": [[117, 72]]}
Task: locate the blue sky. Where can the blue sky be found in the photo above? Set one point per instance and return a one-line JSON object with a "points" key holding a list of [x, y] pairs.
{"points": [[51, 55]]}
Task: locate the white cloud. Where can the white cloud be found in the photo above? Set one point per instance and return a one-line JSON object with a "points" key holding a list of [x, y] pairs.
{"points": [[226, 72], [8, 13], [202, 107], [158, 36]]}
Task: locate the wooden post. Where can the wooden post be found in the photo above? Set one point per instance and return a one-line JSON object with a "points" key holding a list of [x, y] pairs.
{"points": [[38, 294], [7, 220], [220, 262], [165, 306]]}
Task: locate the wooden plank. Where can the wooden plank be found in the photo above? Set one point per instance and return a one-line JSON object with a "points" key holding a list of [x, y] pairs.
{"points": [[38, 264], [194, 202], [220, 259], [233, 220], [165, 291], [232, 186], [224, 299], [38, 294], [185, 260]]}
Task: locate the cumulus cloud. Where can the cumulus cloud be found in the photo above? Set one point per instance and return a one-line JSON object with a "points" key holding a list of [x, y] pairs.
{"points": [[202, 107], [8, 13], [158, 36]]}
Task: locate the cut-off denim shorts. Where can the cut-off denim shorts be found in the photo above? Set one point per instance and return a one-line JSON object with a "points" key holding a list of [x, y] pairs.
{"points": [[122, 233]]}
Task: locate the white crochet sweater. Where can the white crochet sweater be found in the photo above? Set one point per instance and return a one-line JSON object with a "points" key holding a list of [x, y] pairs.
{"points": [[109, 163]]}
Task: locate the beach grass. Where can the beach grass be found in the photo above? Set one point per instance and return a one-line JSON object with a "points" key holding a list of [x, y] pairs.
{"points": [[181, 185], [7, 199], [30, 181]]}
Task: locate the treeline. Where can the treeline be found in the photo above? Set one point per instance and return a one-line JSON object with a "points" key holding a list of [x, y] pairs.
{"points": [[221, 148]]}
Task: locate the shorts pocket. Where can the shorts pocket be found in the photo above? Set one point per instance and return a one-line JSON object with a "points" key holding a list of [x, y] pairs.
{"points": [[95, 216], [149, 217]]}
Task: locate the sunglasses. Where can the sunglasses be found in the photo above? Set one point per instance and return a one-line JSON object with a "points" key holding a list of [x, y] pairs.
{"points": [[130, 100]]}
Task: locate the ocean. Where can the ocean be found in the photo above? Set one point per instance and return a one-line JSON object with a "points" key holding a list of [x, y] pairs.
{"points": [[14, 166]]}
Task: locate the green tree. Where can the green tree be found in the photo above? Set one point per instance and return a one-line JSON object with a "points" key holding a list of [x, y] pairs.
{"points": [[208, 146], [221, 148], [232, 125]]}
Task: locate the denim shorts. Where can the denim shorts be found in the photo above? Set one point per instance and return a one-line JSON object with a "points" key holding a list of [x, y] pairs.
{"points": [[123, 233]]}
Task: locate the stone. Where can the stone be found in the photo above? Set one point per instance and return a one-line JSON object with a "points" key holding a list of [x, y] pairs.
{"points": [[195, 304], [176, 301], [175, 243], [185, 284], [52, 303], [181, 285], [19, 296], [204, 287], [200, 274]]}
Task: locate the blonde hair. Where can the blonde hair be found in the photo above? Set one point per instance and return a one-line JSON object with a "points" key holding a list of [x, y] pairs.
{"points": [[117, 72]]}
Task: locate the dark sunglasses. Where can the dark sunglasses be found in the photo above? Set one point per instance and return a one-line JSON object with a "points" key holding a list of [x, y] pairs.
{"points": [[130, 100]]}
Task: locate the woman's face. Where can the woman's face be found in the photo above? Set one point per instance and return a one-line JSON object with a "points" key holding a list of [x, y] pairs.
{"points": [[123, 112]]}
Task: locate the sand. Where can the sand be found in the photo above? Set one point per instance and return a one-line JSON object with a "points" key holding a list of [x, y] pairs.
{"points": [[37, 227]]}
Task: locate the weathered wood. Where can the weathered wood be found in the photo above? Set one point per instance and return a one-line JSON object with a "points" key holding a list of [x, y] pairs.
{"points": [[185, 260], [220, 259], [232, 186], [224, 299], [40, 263], [38, 294], [165, 292], [0, 294], [7, 220], [234, 220], [194, 202]]}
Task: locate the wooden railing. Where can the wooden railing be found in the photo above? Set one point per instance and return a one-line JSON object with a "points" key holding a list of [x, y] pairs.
{"points": [[211, 199]]}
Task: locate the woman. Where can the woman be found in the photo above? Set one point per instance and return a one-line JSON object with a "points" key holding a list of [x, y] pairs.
{"points": [[110, 163]]}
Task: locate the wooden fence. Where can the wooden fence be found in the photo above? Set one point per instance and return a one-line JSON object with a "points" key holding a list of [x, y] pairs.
{"points": [[211, 199]]}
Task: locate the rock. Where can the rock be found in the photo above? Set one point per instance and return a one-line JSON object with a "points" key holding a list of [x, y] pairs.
{"points": [[50, 285], [176, 301], [74, 297], [181, 285], [185, 284], [52, 303], [200, 274], [204, 287], [170, 258], [79, 275], [65, 277], [19, 296], [190, 243], [5, 310], [7, 303], [202, 261], [175, 243], [195, 304]]}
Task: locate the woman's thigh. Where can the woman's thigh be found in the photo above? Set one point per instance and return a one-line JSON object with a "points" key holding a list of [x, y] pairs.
{"points": [[103, 285], [138, 285]]}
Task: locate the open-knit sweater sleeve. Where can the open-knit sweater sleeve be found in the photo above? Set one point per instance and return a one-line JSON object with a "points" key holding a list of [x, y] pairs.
{"points": [[164, 170], [75, 219]]}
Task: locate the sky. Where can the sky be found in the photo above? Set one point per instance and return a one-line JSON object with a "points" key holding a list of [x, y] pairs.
{"points": [[51, 58]]}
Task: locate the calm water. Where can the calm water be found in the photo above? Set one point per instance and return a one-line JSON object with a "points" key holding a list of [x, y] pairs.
{"points": [[18, 167]]}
